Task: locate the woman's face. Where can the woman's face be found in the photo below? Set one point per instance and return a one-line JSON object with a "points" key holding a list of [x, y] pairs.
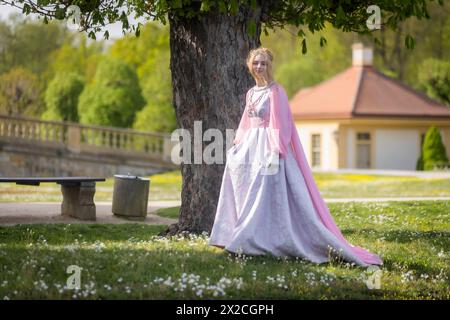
{"points": [[260, 66]]}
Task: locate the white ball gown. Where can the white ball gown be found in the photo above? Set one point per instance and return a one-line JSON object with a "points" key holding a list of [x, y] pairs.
{"points": [[275, 210]]}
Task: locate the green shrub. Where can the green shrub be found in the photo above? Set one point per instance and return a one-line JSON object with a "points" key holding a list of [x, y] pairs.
{"points": [[438, 165], [157, 118], [434, 153], [61, 97], [419, 163], [114, 96]]}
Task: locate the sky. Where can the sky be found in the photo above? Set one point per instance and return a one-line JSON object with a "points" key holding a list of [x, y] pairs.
{"points": [[115, 30]]}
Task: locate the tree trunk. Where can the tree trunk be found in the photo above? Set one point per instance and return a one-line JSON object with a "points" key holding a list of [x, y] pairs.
{"points": [[209, 80]]}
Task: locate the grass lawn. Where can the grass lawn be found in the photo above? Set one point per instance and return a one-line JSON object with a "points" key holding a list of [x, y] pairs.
{"points": [[131, 262], [171, 212], [167, 186], [377, 186]]}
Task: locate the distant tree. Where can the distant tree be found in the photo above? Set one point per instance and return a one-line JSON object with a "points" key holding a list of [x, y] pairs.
{"points": [[29, 44], [5, 40], [432, 36], [76, 55], [150, 55], [114, 96], [61, 97], [434, 153], [156, 118], [158, 114], [325, 58], [434, 78], [20, 93]]}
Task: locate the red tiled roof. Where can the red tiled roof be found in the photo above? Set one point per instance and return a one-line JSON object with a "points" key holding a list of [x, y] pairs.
{"points": [[363, 91]]}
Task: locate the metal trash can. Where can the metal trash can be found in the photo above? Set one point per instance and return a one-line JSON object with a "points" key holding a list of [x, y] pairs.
{"points": [[130, 197]]}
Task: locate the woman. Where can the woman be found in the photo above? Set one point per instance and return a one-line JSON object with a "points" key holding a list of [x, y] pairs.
{"points": [[269, 202]]}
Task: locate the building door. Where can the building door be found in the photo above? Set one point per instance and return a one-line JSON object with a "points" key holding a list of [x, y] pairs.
{"points": [[363, 161], [363, 150]]}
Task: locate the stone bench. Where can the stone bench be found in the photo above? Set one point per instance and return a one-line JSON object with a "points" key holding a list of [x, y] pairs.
{"points": [[78, 193]]}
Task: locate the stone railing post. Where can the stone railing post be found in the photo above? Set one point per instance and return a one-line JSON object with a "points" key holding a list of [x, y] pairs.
{"points": [[167, 148], [74, 138]]}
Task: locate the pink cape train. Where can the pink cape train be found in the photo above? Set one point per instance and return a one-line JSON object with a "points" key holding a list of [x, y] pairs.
{"points": [[282, 133]]}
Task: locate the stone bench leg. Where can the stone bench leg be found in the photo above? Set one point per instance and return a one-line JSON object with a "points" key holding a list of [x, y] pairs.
{"points": [[78, 200]]}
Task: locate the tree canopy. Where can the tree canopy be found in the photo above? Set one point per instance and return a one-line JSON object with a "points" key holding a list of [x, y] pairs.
{"points": [[113, 97], [61, 97], [434, 78], [19, 93], [312, 15]]}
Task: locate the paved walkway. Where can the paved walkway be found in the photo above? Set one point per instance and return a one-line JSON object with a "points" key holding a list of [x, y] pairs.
{"points": [[12, 213]]}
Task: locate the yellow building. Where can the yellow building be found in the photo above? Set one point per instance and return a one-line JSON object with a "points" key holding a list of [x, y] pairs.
{"points": [[361, 118]]}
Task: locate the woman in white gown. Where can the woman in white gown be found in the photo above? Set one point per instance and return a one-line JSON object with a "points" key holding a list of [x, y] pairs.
{"points": [[269, 202]]}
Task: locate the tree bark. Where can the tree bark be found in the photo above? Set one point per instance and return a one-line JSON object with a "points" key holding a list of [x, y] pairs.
{"points": [[209, 80]]}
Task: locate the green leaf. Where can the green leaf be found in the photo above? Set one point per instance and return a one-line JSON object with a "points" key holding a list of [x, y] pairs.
{"points": [[26, 8], [312, 26], [222, 7], [377, 41], [340, 16], [304, 49], [251, 27], [409, 42], [42, 3], [206, 6], [60, 13], [323, 41], [301, 33], [176, 4], [124, 19], [138, 30], [234, 7]]}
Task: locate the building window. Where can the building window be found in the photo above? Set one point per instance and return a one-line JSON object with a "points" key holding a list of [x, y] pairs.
{"points": [[315, 149], [363, 154], [363, 136]]}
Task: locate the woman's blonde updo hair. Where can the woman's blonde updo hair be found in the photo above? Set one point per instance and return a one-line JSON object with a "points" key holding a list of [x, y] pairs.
{"points": [[269, 58]]}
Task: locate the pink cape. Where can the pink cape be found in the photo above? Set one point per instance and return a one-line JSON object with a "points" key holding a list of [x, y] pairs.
{"points": [[282, 133]]}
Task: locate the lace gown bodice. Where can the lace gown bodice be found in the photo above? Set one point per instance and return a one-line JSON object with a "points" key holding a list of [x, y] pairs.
{"points": [[258, 107]]}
